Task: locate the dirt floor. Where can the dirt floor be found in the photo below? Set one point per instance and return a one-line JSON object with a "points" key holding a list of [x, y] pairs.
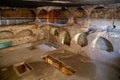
{"points": [[85, 69]]}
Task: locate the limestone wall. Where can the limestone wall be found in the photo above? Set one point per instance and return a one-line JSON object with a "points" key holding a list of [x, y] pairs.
{"points": [[22, 34], [78, 37], [101, 23]]}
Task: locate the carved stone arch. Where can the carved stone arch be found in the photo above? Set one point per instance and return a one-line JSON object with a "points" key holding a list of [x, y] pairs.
{"points": [[63, 13], [54, 31], [96, 12], [80, 16], [6, 34], [42, 13], [33, 13], [80, 13], [52, 16], [103, 44], [65, 37], [43, 33], [81, 39], [24, 33]]}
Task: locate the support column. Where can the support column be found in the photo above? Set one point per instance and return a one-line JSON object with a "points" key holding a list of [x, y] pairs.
{"points": [[71, 20], [37, 11], [88, 10]]}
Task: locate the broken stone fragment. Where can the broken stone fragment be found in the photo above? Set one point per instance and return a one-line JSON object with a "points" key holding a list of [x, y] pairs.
{"points": [[103, 44]]}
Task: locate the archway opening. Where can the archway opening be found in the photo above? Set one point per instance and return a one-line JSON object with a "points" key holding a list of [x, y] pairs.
{"points": [[54, 31], [102, 44], [65, 38], [81, 39]]}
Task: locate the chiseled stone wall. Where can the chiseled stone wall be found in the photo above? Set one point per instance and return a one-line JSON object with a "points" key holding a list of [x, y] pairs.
{"points": [[68, 40], [100, 20], [22, 34]]}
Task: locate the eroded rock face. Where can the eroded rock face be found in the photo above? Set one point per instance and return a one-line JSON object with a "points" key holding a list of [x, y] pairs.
{"points": [[103, 44], [6, 34]]}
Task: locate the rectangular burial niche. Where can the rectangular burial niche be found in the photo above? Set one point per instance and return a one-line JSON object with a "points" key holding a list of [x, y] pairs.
{"points": [[22, 68], [59, 65]]}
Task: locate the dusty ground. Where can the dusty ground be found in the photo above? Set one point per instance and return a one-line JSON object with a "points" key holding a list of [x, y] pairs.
{"points": [[85, 70]]}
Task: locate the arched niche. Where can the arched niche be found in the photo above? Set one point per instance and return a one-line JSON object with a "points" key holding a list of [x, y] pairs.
{"points": [[111, 13], [6, 34], [63, 13], [98, 12], [52, 15], [42, 14], [102, 44], [104, 12], [62, 16], [80, 13], [18, 13], [59, 16], [81, 39], [42, 33], [24, 33], [54, 31], [32, 13], [65, 37], [80, 16]]}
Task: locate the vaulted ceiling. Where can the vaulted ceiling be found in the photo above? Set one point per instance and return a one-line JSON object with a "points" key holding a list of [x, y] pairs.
{"points": [[67, 3]]}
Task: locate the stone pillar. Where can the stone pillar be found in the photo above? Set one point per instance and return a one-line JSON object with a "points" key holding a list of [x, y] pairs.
{"points": [[71, 20], [88, 10], [37, 11]]}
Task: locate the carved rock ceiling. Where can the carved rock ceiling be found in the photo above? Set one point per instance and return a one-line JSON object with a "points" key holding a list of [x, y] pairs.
{"points": [[69, 3]]}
